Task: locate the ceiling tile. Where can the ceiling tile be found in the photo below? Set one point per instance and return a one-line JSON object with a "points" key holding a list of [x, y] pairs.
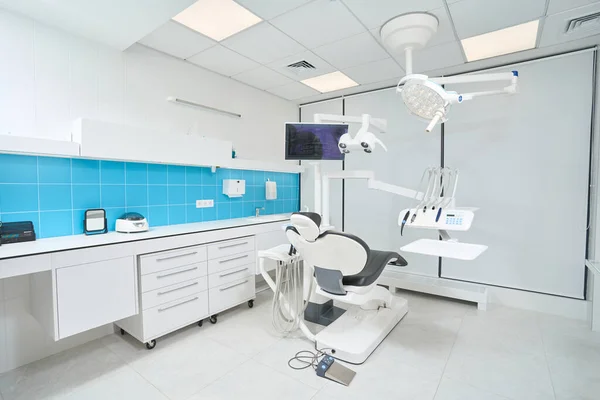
{"points": [[375, 71], [445, 33], [262, 78], [352, 51], [556, 6], [376, 15], [474, 17], [224, 61], [293, 91], [270, 9], [554, 26], [177, 40], [298, 74], [319, 23], [263, 43], [430, 58]]}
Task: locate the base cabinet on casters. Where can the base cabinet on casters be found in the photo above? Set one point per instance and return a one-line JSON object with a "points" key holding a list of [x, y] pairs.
{"points": [[182, 287], [173, 293]]}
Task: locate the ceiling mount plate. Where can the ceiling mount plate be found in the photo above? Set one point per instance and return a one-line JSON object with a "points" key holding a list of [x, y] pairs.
{"points": [[412, 30]]}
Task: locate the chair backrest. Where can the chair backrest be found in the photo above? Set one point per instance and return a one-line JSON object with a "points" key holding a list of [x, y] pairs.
{"points": [[333, 254]]}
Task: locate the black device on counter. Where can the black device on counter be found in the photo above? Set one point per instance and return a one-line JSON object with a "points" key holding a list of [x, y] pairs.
{"points": [[17, 232]]}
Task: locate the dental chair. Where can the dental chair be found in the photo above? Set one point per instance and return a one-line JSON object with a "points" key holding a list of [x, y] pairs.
{"points": [[346, 270]]}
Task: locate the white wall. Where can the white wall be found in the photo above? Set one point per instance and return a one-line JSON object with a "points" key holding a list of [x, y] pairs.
{"points": [[524, 160], [307, 191], [49, 78], [372, 214]]}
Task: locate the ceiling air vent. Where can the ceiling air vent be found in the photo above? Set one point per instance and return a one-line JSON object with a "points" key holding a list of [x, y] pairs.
{"points": [[301, 65], [589, 22]]}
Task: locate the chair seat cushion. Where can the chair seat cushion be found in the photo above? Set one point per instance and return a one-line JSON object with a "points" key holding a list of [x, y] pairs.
{"points": [[375, 264]]}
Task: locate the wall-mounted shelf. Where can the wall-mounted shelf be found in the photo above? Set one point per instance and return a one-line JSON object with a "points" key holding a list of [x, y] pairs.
{"points": [[237, 163], [38, 146]]}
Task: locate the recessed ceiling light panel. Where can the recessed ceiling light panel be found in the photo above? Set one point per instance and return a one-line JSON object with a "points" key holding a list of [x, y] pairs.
{"points": [[330, 82], [217, 19], [504, 41]]}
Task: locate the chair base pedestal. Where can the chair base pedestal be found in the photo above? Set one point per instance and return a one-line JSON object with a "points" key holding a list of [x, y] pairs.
{"points": [[322, 314], [357, 333]]}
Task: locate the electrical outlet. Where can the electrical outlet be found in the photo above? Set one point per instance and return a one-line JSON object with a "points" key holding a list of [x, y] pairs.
{"points": [[205, 203]]}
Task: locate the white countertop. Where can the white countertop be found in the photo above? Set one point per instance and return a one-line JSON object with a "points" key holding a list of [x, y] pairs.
{"points": [[80, 241]]}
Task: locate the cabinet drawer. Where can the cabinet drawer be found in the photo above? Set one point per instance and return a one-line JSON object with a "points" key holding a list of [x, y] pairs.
{"points": [[173, 292], [231, 261], [231, 294], [151, 263], [229, 247], [174, 315], [172, 276], [229, 275]]}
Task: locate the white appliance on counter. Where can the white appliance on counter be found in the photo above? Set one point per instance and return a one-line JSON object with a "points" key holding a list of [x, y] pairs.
{"points": [[131, 222]]}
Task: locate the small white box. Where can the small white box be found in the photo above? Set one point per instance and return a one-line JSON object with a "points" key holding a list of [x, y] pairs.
{"points": [[234, 187]]}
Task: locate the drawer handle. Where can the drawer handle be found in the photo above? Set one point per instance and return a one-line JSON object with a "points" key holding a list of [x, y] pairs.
{"points": [[233, 259], [232, 286], [177, 256], [234, 272], [232, 245], [176, 272], [178, 304], [176, 289]]}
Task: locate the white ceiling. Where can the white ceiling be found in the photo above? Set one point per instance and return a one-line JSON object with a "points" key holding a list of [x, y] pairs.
{"points": [[116, 23], [344, 35], [330, 34]]}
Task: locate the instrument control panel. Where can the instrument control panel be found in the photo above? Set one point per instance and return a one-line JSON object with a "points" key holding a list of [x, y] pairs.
{"points": [[441, 219]]}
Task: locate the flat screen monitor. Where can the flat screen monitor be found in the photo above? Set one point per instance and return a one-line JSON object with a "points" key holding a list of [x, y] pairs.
{"points": [[310, 141]]}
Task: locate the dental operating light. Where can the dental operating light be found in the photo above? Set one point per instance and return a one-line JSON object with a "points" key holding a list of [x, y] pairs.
{"points": [[425, 97]]}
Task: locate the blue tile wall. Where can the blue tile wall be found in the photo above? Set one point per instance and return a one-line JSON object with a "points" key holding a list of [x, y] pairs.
{"points": [[55, 192]]}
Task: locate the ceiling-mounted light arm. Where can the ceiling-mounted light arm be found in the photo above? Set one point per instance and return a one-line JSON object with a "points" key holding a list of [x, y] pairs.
{"points": [[365, 119], [512, 77], [364, 139]]}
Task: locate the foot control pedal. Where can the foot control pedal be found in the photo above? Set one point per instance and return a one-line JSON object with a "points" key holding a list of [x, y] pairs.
{"points": [[336, 372]]}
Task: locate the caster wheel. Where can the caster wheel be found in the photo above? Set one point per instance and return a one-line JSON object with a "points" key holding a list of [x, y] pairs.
{"points": [[151, 344], [250, 303], [213, 319], [200, 323], [122, 331]]}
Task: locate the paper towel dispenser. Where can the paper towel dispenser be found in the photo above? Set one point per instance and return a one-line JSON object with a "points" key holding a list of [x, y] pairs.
{"points": [[234, 187]]}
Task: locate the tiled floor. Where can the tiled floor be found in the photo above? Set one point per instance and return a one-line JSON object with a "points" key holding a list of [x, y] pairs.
{"points": [[442, 350]]}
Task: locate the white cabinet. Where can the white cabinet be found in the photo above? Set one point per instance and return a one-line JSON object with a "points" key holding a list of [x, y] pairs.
{"points": [[95, 294], [231, 294], [268, 240]]}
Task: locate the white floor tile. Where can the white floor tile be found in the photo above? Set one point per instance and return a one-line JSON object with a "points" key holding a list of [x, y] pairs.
{"points": [[253, 380], [569, 338], [502, 329], [278, 355], [59, 374], [420, 343], [186, 366], [122, 383], [383, 377], [575, 378], [453, 390], [519, 376], [256, 327]]}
